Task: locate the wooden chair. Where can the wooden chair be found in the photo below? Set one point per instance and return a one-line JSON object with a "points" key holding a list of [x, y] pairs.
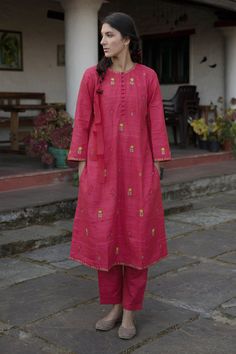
{"points": [[175, 110]]}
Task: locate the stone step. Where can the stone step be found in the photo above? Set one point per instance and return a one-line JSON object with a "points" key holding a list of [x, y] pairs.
{"points": [[58, 201], [18, 240], [35, 236], [47, 204], [199, 187]]}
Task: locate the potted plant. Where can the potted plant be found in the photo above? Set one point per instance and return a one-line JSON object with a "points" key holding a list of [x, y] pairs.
{"points": [[200, 128], [228, 134], [214, 135], [51, 137], [233, 137]]}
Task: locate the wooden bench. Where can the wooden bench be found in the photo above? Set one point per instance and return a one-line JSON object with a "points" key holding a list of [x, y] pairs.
{"points": [[16, 102]]}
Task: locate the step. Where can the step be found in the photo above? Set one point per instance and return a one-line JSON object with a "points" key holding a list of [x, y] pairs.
{"points": [[32, 179], [18, 240], [49, 203], [33, 237], [198, 159], [47, 177]]}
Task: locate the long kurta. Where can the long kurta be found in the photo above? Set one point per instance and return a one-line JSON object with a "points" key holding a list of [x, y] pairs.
{"points": [[119, 217]]}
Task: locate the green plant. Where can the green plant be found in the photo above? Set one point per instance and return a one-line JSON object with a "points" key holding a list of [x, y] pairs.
{"points": [[215, 130], [199, 127], [228, 127], [51, 129]]}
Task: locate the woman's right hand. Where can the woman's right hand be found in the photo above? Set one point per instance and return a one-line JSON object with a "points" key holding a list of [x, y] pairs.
{"points": [[81, 168]]}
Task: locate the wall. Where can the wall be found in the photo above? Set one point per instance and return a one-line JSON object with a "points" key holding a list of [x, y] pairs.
{"points": [[159, 17], [40, 38]]}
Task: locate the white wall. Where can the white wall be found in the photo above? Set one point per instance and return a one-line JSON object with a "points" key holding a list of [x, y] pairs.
{"points": [[151, 17], [40, 38]]}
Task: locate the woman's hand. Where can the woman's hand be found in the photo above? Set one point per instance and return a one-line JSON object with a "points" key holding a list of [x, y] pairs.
{"points": [[157, 165], [81, 167]]}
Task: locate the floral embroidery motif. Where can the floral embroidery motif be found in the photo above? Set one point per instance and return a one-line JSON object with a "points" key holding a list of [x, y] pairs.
{"points": [[130, 191], [121, 127], [163, 151], [112, 81], [80, 149], [131, 148], [141, 212], [131, 81], [100, 213]]}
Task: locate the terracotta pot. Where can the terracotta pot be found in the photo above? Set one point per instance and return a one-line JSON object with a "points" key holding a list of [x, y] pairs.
{"points": [[227, 145]]}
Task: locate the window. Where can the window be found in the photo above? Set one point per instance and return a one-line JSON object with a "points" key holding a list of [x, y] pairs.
{"points": [[169, 57]]}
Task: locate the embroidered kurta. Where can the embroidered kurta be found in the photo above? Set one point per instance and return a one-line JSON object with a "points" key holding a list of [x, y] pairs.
{"points": [[119, 217]]}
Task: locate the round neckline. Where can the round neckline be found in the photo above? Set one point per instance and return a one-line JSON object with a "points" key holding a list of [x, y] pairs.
{"points": [[124, 72]]}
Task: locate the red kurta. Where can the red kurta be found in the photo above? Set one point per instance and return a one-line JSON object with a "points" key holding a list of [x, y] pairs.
{"points": [[119, 217]]}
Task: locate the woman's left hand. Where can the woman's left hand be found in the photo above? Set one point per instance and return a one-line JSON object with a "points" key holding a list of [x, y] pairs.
{"points": [[157, 165]]}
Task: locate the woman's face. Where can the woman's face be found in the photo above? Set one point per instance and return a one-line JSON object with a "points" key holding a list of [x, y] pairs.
{"points": [[112, 41]]}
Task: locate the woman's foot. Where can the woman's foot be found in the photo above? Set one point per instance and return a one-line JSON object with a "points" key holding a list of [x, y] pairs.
{"points": [[127, 329], [110, 320], [128, 319]]}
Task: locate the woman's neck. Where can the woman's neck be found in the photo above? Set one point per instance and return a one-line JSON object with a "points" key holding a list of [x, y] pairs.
{"points": [[122, 64]]}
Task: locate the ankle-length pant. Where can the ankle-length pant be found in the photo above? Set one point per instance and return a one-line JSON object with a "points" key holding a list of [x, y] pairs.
{"points": [[123, 285]]}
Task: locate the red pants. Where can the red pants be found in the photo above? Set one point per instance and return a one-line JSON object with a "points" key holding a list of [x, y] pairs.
{"points": [[123, 285]]}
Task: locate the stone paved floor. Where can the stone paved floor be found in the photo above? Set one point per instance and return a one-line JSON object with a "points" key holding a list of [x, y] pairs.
{"points": [[49, 304]]}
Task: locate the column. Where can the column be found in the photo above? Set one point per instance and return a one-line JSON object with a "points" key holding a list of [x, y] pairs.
{"points": [[230, 63], [81, 46]]}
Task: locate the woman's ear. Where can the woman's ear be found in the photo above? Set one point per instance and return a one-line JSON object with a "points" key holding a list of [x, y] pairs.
{"points": [[126, 41]]}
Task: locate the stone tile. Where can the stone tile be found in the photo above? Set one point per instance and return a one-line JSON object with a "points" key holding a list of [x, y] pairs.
{"points": [[64, 224], [33, 232], [4, 327], [229, 307], [50, 254], [37, 298], [228, 257], [82, 271], [200, 243], [170, 263], [14, 271], [202, 336], [57, 255], [174, 228], [207, 218], [26, 344], [202, 287], [74, 329], [66, 264], [229, 227], [225, 200]]}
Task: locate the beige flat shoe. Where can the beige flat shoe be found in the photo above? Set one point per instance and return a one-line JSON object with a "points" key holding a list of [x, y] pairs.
{"points": [[106, 325], [126, 333]]}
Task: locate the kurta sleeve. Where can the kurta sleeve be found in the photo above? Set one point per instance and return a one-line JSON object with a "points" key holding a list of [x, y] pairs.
{"points": [[158, 132], [83, 118]]}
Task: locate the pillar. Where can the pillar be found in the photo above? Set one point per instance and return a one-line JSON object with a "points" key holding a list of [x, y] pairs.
{"points": [[81, 46], [230, 63]]}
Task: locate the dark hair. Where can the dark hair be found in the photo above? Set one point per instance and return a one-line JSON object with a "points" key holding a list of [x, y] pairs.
{"points": [[126, 26]]}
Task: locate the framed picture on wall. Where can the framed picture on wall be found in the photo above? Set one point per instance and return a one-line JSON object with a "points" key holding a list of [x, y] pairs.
{"points": [[61, 55], [11, 56]]}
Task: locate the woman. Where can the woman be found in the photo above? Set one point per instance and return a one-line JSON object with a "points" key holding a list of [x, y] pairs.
{"points": [[119, 137]]}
